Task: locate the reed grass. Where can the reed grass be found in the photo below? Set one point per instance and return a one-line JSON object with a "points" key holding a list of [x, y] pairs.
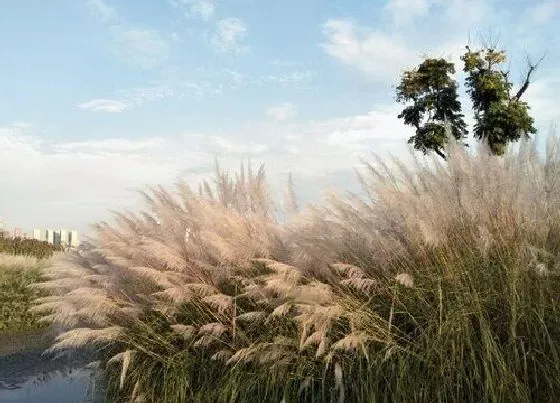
{"points": [[439, 286]]}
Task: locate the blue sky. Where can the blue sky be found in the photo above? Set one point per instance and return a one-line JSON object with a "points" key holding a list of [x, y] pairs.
{"points": [[103, 96]]}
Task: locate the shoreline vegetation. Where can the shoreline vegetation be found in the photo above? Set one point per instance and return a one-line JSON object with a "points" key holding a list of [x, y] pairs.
{"points": [[17, 273], [440, 285]]}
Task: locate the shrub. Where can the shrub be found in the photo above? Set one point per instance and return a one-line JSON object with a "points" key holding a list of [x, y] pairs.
{"points": [[440, 286]]}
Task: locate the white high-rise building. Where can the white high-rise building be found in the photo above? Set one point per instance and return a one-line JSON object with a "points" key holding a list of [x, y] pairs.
{"points": [[50, 236], [63, 237], [37, 234], [74, 241]]}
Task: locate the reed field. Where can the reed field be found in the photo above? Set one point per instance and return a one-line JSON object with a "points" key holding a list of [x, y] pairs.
{"points": [[440, 286]]}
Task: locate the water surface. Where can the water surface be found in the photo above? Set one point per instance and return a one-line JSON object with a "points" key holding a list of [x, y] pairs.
{"points": [[33, 377]]}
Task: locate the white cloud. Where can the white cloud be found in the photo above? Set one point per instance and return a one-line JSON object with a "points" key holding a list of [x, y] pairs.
{"points": [[148, 93], [286, 79], [196, 8], [113, 145], [384, 51], [281, 111], [139, 46], [230, 33], [105, 105], [142, 47], [545, 11], [203, 8], [54, 178], [71, 185], [381, 56], [102, 10], [232, 147]]}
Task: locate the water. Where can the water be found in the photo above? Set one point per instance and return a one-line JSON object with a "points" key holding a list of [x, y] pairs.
{"points": [[31, 377]]}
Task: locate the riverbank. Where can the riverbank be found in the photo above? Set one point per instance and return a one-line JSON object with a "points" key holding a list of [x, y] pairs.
{"points": [[28, 374], [12, 342]]}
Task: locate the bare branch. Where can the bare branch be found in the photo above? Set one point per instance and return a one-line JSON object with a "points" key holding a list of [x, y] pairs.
{"points": [[438, 152], [532, 68]]}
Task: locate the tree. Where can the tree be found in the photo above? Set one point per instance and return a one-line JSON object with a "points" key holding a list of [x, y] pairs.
{"points": [[500, 116], [435, 106]]}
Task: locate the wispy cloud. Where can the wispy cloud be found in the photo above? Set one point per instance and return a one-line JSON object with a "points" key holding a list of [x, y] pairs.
{"points": [[143, 47], [117, 145], [148, 93], [379, 55], [203, 8], [281, 111], [104, 105], [195, 8], [286, 79], [229, 35], [102, 11], [384, 51]]}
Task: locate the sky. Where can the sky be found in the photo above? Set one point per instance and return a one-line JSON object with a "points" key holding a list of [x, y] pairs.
{"points": [[100, 98]]}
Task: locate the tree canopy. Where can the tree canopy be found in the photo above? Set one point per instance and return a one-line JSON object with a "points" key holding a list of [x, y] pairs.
{"points": [[436, 106]]}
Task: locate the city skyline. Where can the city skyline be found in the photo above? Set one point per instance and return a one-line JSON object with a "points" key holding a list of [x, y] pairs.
{"points": [[60, 236]]}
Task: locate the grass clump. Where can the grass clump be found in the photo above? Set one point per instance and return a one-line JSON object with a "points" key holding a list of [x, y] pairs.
{"points": [[17, 273], [440, 285]]}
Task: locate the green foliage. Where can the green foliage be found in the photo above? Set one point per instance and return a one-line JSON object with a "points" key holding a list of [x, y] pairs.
{"points": [[435, 104], [16, 298], [28, 247], [500, 117]]}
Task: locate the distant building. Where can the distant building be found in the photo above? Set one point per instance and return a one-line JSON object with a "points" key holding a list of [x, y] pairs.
{"points": [[18, 232], [49, 235], [37, 235], [63, 237], [74, 241]]}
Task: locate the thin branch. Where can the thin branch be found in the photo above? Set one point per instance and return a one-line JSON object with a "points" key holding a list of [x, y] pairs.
{"points": [[532, 68], [438, 152]]}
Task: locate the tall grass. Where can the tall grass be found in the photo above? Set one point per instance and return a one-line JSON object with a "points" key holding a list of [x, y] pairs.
{"points": [[16, 274], [441, 285]]}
